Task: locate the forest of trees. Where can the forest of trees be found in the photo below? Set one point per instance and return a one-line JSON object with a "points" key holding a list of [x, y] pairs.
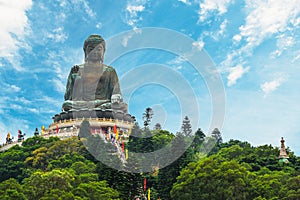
{"points": [[63, 169]]}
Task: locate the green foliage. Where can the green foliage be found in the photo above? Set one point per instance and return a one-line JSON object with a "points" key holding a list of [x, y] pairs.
{"points": [[37, 141], [212, 178], [11, 189], [147, 116], [12, 164], [226, 175], [198, 140], [98, 190], [40, 183], [63, 169], [186, 127], [167, 176]]}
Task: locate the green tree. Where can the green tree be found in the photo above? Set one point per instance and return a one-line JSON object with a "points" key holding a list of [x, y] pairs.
{"points": [[198, 140], [40, 183], [292, 191], [186, 127], [217, 135], [167, 176], [97, 190], [211, 178], [12, 163], [11, 189], [157, 126], [147, 116]]}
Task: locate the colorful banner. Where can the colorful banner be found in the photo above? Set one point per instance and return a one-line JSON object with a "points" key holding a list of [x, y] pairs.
{"points": [[149, 194], [126, 154], [123, 146]]}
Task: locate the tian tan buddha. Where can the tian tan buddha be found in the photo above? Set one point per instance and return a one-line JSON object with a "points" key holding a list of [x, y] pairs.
{"points": [[93, 85]]}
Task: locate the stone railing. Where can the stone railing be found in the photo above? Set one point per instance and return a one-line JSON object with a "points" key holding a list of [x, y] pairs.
{"points": [[7, 146]]}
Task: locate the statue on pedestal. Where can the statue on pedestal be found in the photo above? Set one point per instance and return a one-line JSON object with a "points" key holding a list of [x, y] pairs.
{"points": [[93, 85]]}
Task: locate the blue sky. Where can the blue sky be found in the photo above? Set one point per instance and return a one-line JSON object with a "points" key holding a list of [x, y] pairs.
{"points": [[253, 43]]}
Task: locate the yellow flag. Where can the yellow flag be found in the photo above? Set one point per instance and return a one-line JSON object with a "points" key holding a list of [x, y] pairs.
{"points": [[149, 194], [43, 130], [126, 154], [117, 134], [129, 131]]}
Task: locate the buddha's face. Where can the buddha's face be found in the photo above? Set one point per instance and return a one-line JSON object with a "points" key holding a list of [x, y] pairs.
{"points": [[94, 52]]}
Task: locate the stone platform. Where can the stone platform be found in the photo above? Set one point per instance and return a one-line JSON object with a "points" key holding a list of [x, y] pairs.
{"points": [[67, 115], [70, 127]]}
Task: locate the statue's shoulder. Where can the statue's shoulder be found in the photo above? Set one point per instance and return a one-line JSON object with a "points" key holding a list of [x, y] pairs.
{"points": [[108, 68]]}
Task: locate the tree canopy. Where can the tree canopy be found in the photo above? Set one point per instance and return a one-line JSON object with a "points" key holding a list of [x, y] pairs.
{"points": [[208, 168]]}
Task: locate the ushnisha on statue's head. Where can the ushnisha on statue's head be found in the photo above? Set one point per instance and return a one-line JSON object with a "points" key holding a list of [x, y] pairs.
{"points": [[94, 48]]}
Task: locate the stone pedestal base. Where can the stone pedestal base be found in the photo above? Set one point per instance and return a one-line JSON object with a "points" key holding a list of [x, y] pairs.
{"points": [[78, 114], [67, 124]]}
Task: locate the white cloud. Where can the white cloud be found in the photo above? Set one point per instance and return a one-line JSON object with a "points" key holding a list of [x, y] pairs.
{"points": [[87, 8], [50, 101], [60, 62], [199, 44], [16, 106], [133, 11], [180, 67], [78, 5], [266, 18], [59, 86], [14, 27], [216, 35], [33, 110], [177, 61], [99, 25], [235, 74], [208, 6], [187, 2], [237, 38], [22, 100], [127, 37], [283, 43], [223, 27], [10, 88], [296, 56], [58, 35], [268, 87]]}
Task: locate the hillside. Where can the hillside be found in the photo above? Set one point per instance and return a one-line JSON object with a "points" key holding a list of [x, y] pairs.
{"points": [[64, 169]]}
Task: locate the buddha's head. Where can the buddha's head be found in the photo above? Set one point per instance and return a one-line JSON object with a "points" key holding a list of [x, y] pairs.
{"points": [[94, 48]]}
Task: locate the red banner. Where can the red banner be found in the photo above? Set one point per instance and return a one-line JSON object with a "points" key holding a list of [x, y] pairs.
{"points": [[145, 184]]}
